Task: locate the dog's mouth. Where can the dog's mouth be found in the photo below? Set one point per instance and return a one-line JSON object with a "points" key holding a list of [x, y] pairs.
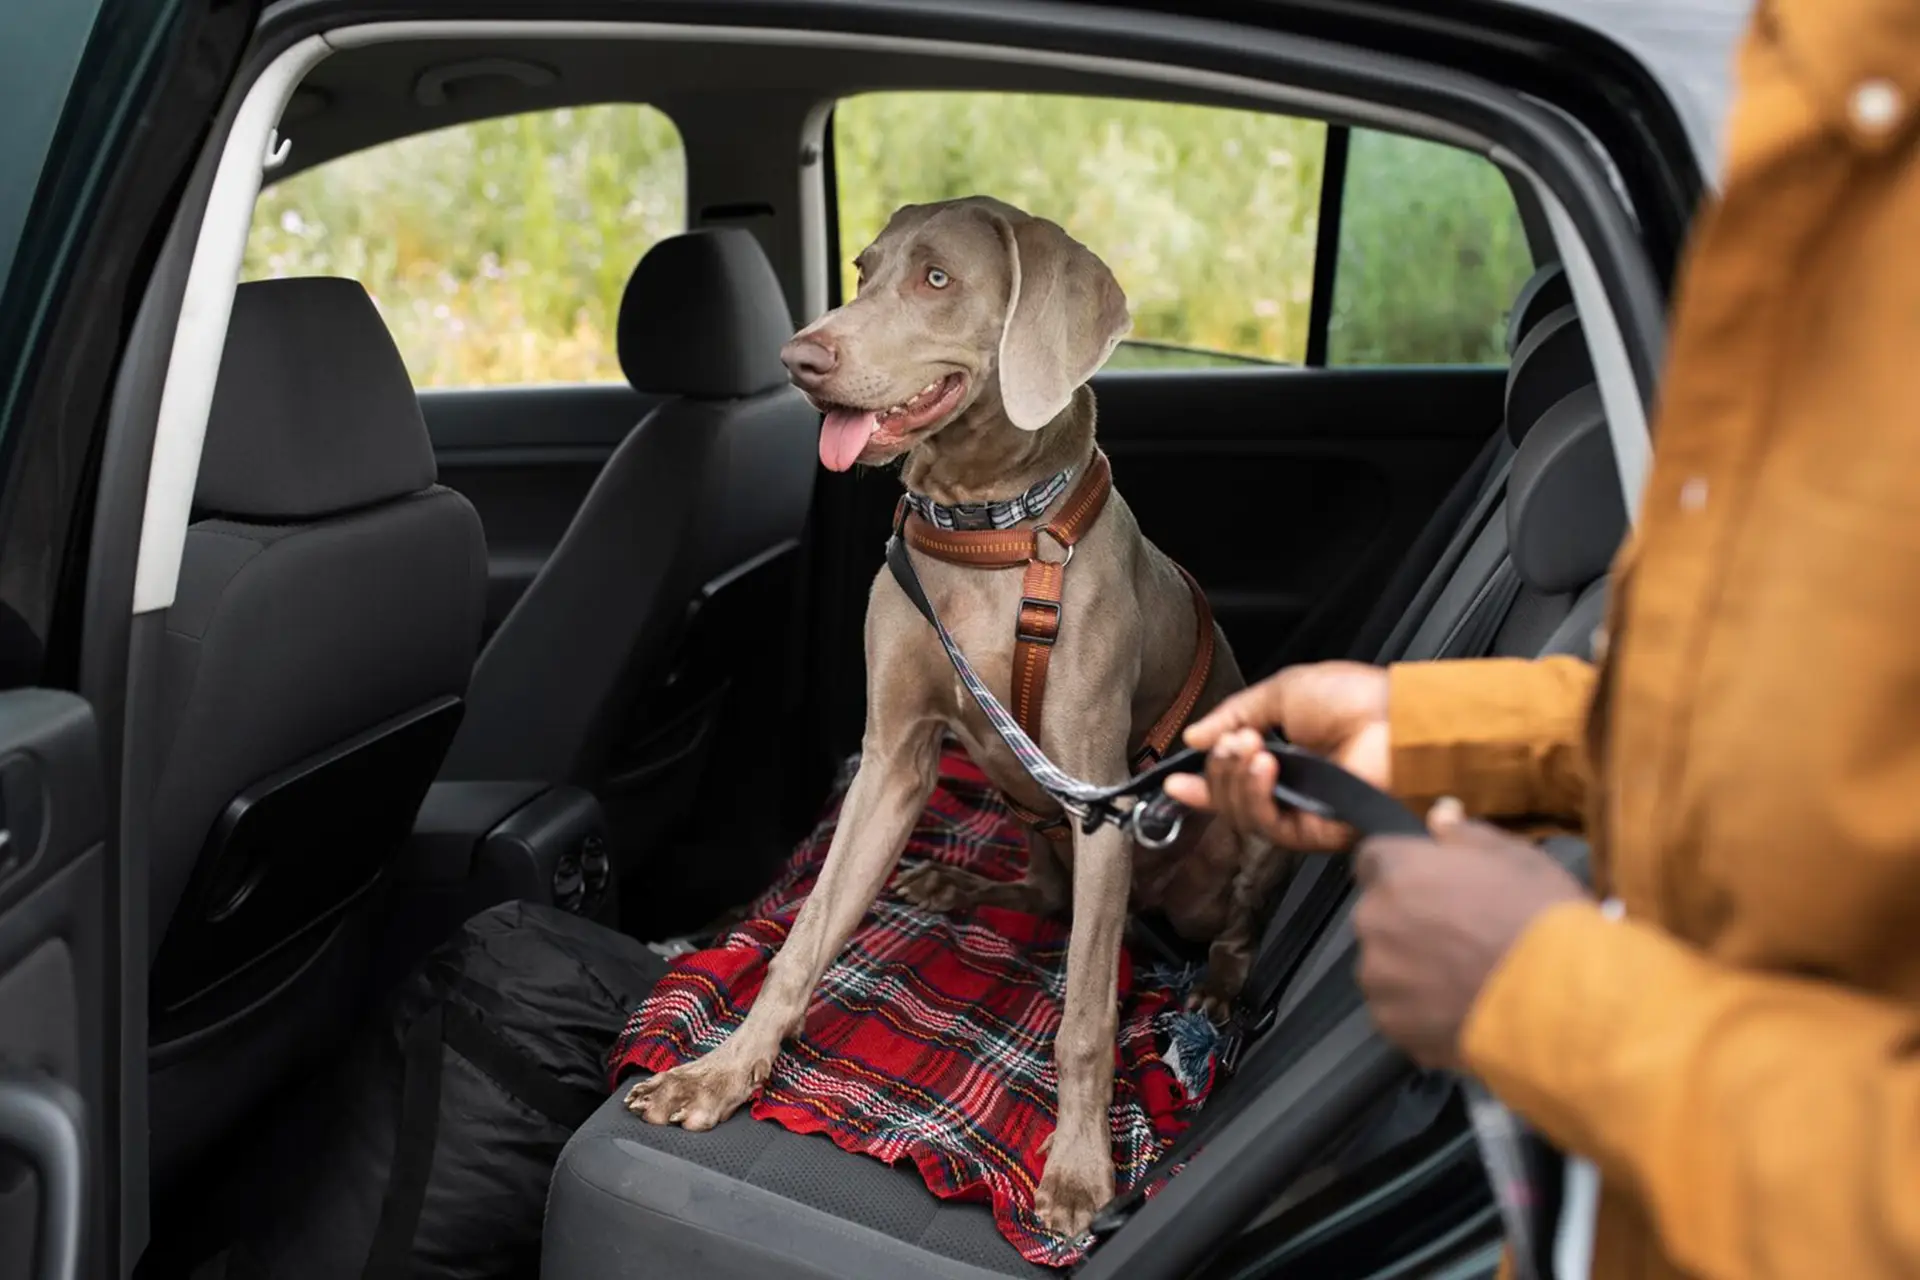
{"points": [[848, 433]]}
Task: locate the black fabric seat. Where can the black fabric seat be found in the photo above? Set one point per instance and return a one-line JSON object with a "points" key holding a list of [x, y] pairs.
{"points": [[626, 665], [1547, 358], [327, 615], [1475, 600], [750, 1199]]}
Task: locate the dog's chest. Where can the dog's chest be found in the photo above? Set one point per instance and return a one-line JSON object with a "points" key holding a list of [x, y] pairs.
{"points": [[980, 610]]}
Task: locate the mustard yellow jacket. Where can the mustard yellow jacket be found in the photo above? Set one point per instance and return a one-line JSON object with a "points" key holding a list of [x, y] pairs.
{"points": [[1740, 1056]]}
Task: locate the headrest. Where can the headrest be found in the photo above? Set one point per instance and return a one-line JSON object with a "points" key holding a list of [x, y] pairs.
{"points": [[313, 412], [1565, 516], [704, 317], [1545, 292], [1549, 362]]}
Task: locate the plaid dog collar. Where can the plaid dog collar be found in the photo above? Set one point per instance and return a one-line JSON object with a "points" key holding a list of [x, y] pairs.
{"points": [[1002, 513]]}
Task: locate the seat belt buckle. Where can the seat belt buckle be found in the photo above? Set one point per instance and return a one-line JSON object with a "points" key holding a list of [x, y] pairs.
{"points": [[1239, 1032]]}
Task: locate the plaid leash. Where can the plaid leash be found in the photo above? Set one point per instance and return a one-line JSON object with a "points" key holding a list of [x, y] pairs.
{"points": [[1153, 821]]}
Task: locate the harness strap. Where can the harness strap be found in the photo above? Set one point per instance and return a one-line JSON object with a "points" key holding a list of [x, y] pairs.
{"points": [[1037, 623], [1014, 548], [1166, 730], [1035, 628]]}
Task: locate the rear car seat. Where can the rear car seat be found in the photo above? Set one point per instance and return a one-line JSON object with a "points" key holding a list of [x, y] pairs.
{"points": [[1468, 590], [1400, 601], [750, 1198]]}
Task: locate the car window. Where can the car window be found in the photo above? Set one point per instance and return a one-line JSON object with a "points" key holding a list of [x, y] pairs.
{"points": [[1212, 220], [1206, 215], [1431, 253], [496, 251]]}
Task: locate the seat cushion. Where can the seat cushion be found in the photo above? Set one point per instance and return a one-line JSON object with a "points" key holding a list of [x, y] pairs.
{"points": [[750, 1199]]}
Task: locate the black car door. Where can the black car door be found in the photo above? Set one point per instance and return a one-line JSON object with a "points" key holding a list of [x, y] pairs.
{"points": [[105, 99]]}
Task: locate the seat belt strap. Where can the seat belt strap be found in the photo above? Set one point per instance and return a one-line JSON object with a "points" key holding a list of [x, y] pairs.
{"points": [[1474, 634], [1492, 493]]}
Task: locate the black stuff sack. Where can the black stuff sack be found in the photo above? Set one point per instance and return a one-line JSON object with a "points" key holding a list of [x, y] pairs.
{"points": [[428, 1151]]}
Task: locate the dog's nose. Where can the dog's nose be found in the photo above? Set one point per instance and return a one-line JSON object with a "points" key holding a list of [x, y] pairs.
{"points": [[809, 360]]}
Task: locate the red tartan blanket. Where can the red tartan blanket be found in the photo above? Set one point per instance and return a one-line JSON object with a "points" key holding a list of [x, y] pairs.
{"points": [[931, 1038]]}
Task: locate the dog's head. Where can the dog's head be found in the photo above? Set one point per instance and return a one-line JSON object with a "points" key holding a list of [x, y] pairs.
{"points": [[964, 306]]}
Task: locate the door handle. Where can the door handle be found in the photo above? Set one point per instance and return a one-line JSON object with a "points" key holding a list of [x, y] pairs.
{"points": [[43, 1120]]}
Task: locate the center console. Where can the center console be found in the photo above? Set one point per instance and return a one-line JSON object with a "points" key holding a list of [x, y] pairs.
{"points": [[478, 844]]}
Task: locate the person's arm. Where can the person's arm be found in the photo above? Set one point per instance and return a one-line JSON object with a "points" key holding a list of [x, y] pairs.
{"points": [[1505, 737], [1770, 1125]]}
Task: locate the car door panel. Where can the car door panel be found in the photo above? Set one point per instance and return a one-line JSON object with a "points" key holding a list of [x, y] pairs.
{"points": [[525, 458], [53, 982], [1292, 493]]}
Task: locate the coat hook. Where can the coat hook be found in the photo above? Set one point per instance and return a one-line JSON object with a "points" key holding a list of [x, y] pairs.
{"points": [[277, 148]]}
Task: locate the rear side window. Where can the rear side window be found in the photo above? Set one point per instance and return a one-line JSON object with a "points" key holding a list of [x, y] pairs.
{"points": [[1234, 246], [1431, 253], [496, 251]]}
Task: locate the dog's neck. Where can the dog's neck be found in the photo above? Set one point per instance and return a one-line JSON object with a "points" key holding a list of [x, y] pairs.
{"points": [[982, 457]]}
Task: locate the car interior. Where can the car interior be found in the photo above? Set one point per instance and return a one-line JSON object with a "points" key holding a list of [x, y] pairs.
{"points": [[438, 644]]}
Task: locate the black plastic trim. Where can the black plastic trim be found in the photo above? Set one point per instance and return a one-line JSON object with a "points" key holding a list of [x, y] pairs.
{"points": [[1326, 249]]}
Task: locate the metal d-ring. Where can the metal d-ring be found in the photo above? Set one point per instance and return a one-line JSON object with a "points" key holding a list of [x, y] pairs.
{"points": [[1058, 541]]}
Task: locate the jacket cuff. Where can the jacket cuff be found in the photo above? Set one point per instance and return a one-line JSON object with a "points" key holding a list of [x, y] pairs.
{"points": [[1504, 736], [1542, 1032]]}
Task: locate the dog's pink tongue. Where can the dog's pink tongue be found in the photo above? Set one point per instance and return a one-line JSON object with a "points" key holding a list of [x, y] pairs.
{"points": [[844, 434]]}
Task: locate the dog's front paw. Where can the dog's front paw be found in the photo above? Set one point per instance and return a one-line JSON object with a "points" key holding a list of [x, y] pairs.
{"points": [[1219, 988], [699, 1094], [1076, 1184]]}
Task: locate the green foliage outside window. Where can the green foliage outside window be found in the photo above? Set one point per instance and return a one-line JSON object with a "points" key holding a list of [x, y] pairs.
{"points": [[498, 251]]}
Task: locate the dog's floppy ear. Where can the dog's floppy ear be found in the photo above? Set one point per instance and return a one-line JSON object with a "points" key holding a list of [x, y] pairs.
{"points": [[1065, 315]]}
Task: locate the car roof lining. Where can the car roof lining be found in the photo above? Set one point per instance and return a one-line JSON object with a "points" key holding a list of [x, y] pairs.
{"points": [[371, 93], [221, 242]]}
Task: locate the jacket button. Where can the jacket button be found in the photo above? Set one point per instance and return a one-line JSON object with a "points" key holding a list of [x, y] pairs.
{"points": [[1875, 105]]}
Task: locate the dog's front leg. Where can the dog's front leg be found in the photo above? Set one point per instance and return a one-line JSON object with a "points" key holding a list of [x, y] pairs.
{"points": [[886, 796], [1079, 1174]]}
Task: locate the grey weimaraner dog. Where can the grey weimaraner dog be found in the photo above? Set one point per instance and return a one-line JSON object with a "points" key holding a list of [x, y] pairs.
{"points": [[968, 349]]}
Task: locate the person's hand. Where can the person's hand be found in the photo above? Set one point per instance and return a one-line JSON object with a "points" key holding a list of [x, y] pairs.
{"points": [[1335, 709], [1436, 916]]}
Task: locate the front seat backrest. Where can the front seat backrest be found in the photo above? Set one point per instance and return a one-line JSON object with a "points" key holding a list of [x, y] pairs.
{"points": [[328, 611], [676, 576]]}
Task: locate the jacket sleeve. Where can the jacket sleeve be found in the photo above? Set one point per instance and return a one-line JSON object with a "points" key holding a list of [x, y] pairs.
{"points": [[1504, 736], [1769, 1124]]}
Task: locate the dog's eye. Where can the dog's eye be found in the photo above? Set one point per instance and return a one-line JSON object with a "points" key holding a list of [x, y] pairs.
{"points": [[938, 278]]}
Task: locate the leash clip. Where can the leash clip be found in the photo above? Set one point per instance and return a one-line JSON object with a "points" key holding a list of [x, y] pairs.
{"points": [[1154, 822]]}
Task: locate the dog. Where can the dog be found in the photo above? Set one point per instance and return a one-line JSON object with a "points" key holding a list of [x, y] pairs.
{"points": [[967, 350]]}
